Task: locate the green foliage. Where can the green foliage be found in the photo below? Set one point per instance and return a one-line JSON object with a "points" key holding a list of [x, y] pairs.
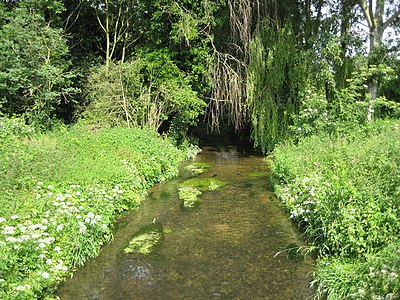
{"points": [[274, 79], [33, 65], [187, 28], [144, 92], [12, 129], [376, 277], [61, 193], [344, 192], [346, 109]]}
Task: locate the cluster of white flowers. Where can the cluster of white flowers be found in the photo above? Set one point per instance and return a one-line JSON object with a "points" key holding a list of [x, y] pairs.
{"points": [[302, 197], [24, 287], [386, 274], [39, 235], [79, 205], [309, 112], [33, 234]]}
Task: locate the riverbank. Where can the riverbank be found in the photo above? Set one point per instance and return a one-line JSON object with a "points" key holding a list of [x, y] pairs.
{"points": [[343, 191], [61, 193]]}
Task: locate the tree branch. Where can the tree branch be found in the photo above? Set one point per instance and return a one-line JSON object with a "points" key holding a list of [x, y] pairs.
{"points": [[366, 11], [391, 19]]}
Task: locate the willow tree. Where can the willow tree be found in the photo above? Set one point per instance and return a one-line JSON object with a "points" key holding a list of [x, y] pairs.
{"points": [[256, 78], [275, 77], [229, 68]]}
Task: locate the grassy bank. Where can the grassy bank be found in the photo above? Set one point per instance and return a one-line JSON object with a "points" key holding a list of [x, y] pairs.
{"points": [[61, 193], [345, 193]]}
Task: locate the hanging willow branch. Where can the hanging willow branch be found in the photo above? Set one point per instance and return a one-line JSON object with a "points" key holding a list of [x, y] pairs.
{"points": [[228, 79], [229, 74], [241, 15]]}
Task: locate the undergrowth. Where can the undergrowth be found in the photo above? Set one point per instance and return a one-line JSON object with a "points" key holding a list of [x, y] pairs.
{"points": [[343, 191], [62, 191]]}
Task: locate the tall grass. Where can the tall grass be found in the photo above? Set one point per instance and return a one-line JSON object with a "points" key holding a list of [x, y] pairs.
{"points": [[62, 191], [344, 192]]}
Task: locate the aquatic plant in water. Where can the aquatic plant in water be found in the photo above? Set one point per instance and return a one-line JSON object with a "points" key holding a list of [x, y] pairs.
{"points": [[191, 189], [189, 196], [146, 239], [197, 168], [204, 184]]}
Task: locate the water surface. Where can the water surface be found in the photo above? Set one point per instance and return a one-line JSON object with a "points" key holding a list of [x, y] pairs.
{"points": [[224, 249]]}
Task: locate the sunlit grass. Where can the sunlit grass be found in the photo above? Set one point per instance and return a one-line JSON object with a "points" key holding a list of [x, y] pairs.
{"points": [[344, 192], [61, 193]]}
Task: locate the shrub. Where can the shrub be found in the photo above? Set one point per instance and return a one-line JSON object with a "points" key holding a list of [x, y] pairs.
{"points": [[376, 277], [145, 91]]}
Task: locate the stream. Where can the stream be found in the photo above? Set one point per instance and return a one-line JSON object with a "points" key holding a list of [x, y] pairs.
{"points": [[234, 245]]}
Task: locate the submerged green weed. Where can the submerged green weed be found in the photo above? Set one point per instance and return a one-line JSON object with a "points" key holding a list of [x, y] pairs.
{"points": [[204, 184], [146, 239], [192, 189], [189, 195], [197, 168]]}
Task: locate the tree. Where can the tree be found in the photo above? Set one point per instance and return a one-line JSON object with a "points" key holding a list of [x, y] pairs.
{"points": [[117, 18], [144, 92], [379, 15], [34, 76]]}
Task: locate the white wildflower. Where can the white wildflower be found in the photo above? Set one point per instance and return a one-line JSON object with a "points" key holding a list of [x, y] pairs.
{"points": [[8, 230]]}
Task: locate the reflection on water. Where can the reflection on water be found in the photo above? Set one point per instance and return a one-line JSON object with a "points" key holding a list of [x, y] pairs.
{"points": [[224, 249]]}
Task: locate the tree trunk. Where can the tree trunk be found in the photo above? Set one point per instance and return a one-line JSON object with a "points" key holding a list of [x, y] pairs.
{"points": [[107, 31], [376, 27]]}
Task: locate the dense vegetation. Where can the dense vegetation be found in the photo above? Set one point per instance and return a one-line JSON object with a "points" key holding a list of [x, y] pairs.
{"points": [[61, 193], [314, 87], [344, 193]]}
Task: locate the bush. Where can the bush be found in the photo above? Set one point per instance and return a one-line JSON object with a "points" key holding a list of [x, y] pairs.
{"points": [[34, 76], [376, 277], [145, 91]]}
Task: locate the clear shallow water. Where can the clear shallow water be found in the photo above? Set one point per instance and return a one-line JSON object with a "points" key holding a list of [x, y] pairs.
{"points": [[224, 249]]}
